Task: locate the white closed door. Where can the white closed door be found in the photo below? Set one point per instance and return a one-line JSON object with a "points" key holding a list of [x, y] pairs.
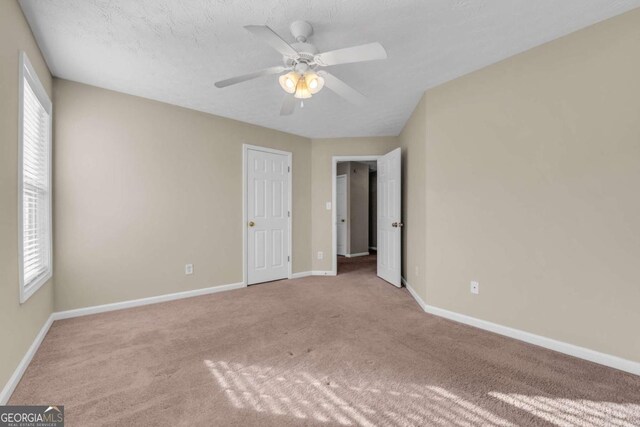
{"points": [[390, 217], [268, 213], [341, 214]]}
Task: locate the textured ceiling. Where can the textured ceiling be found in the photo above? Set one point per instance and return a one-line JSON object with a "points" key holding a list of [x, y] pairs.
{"points": [[173, 51]]}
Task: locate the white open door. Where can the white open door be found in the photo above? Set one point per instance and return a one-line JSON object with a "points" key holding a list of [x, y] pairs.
{"points": [[341, 210], [268, 214], [390, 217]]}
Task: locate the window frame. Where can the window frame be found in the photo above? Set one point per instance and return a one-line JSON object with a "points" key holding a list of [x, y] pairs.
{"points": [[27, 72]]}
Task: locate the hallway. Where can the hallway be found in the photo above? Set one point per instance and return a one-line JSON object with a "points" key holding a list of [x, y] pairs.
{"points": [[361, 264]]}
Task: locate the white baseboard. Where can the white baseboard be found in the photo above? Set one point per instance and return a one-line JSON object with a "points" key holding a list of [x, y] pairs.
{"points": [[144, 301], [322, 273], [357, 255], [559, 346], [8, 389], [301, 274], [414, 294]]}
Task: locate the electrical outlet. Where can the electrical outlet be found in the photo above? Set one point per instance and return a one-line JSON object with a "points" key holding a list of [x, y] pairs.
{"points": [[328, 205], [475, 288], [188, 269], [320, 255]]}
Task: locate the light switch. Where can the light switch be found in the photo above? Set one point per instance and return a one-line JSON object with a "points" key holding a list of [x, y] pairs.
{"points": [[328, 206]]}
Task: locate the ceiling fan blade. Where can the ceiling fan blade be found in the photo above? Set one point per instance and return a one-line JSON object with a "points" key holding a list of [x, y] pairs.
{"points": [[239, 79], [365, 52], [288, 105], [274, 40], [342, 89]]}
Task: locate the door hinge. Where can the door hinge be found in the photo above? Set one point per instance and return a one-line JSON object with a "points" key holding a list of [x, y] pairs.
{"points": [[289, 214], [288, 168], [288, 258]]}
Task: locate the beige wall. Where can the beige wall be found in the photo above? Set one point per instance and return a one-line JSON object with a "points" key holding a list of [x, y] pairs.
{"points": [[342, 169], [532, 188], [412, 141], [19, 324], [322, 151], [142, 188], [357, 205]]}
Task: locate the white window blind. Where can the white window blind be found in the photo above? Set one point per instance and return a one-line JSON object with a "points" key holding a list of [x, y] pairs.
{"points": [[35, 182]]}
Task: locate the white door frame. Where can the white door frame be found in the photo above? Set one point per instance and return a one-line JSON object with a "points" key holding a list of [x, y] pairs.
{"points": [[334, 172], [245, 217], [347, 236]]}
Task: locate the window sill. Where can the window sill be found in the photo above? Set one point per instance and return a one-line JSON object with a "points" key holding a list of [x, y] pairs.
{"points": [[31, 288]]}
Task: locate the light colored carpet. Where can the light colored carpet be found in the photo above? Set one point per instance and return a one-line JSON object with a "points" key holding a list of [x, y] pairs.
{"points": [[350, 350]]}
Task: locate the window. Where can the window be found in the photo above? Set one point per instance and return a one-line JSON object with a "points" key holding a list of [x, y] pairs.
{"points": [[34, 190]]}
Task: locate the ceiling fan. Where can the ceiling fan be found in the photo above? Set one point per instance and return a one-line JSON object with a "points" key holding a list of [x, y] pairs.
{"points": [[302, 63]]}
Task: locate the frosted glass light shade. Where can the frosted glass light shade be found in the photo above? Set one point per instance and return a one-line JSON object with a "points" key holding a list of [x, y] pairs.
{"points": [[315, 83], [289, 81], [302, 90]]}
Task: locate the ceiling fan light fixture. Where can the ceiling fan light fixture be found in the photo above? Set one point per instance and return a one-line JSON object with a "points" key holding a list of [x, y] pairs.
{"points": [[289, 81], [300, 62]]}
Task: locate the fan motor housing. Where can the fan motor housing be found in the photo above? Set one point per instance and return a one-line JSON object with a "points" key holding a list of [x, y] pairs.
{"points": [[306, 50], [301, 30]]}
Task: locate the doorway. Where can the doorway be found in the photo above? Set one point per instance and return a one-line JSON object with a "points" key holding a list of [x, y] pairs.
{"points": [[266, 214], [366, 214], [353, 210]]}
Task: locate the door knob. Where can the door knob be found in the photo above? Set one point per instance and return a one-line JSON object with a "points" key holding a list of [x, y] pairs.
{"points": [[251, 223], [400, 224], [342, 220], [395, 224]]}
